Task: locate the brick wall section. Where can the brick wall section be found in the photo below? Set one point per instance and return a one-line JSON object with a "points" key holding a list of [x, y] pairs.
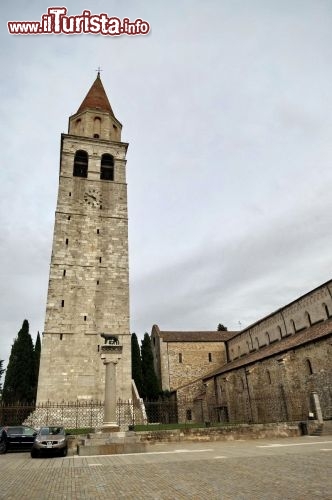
{"points": [[181, 357], [229, 433], [195, 360], [191, 402], [277, 387]]}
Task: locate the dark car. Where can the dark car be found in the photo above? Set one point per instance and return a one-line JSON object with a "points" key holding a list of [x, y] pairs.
{"points": [[50, 440], [18, 437]]}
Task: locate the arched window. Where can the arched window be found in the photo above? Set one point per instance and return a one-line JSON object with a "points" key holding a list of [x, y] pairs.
{"points": [[293, 325], [309, 367], [279, 331], [107, 167], [80, 164], [326, 309], [257, 343], [96, 127], [267, 335], [307, 315]]}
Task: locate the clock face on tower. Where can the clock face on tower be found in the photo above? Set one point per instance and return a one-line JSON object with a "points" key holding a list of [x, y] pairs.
{"points": [[92, 198]]}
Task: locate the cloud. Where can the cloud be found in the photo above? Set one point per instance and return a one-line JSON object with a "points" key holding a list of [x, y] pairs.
{"points": [[227, 109], [240, 279]]}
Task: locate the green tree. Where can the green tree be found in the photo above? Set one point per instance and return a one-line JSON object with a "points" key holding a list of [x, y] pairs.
{"points": [[1, 373], [221, 328], [136, 364], [37, 358], [151, 387], [20, 379]]}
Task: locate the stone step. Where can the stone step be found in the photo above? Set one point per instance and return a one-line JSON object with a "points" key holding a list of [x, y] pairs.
{"points": [[113, 443], [327, 428], [111, 449], [324, 429]]}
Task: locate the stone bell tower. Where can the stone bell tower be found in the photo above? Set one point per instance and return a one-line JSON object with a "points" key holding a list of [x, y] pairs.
{"points": [[88, 291]]}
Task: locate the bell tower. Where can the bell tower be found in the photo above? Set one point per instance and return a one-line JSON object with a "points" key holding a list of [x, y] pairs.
{"points": [[88, 291]]}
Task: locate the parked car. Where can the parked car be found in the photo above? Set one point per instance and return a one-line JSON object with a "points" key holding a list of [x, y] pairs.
{"points": [[16, 437], [50, 440]]}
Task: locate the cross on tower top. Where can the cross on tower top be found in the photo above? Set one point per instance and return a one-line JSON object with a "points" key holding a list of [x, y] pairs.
{"points": [[98, 71]]}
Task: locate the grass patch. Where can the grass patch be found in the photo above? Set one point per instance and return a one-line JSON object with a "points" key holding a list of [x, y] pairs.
{"points": [[185, 425], [167, 427]]}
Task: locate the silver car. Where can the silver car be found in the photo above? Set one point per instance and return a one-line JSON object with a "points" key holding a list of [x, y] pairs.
{"points": [[50, 440]]}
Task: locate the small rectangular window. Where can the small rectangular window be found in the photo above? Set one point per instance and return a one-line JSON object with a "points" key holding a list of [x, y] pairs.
{"points": [[64, 272], [68, 217], [210, 357], [67, 241], [69, 193], [100, 259], [97, 282], [62, 303], [97, 231], [61, 336], [180, 357], [84, 318]]}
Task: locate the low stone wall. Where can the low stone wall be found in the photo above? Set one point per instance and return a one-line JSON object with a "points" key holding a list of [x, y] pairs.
{"points": [[227, 433]]}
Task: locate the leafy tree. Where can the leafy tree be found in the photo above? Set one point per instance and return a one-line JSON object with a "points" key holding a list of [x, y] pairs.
{"points": [[37, 358], [20, 380], [221, 328], [151, 387], [136, 364]]}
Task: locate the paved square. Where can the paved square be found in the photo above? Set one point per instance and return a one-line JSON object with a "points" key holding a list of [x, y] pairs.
{"points": [[290, 468]]}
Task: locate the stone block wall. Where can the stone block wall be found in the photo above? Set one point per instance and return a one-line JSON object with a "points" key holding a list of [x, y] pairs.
{"points": [[88, 291], [178, 363], [277, 388]]}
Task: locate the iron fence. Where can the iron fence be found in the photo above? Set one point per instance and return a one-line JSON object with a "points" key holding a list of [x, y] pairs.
{"points": [[90, 414]]}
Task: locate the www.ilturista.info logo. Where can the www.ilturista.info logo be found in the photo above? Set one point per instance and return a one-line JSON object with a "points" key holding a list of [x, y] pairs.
{"points": [[56, 22]]}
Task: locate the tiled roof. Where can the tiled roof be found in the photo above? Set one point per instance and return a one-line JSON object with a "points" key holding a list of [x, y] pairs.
{"points": [[293, 341], [206, 336], [96, 98]]}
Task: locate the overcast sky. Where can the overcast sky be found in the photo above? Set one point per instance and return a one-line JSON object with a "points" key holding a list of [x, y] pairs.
{"points": [[226, 105]]}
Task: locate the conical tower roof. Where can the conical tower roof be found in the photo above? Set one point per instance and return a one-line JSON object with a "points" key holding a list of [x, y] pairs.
{"points": [[96, 98]]}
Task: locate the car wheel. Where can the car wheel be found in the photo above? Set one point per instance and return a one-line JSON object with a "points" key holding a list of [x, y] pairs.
{"points": [[3, 448], [34, 453], [64, 452]]}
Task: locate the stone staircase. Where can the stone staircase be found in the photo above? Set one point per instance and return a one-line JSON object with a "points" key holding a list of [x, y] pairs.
{"points": [[324, 429]]}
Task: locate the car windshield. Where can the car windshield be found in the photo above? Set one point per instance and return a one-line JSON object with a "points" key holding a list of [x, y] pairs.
{"points": [[51, 431]]}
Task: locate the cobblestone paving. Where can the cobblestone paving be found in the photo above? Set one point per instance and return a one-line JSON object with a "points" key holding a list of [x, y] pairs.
{"points": [[296, 469]]}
